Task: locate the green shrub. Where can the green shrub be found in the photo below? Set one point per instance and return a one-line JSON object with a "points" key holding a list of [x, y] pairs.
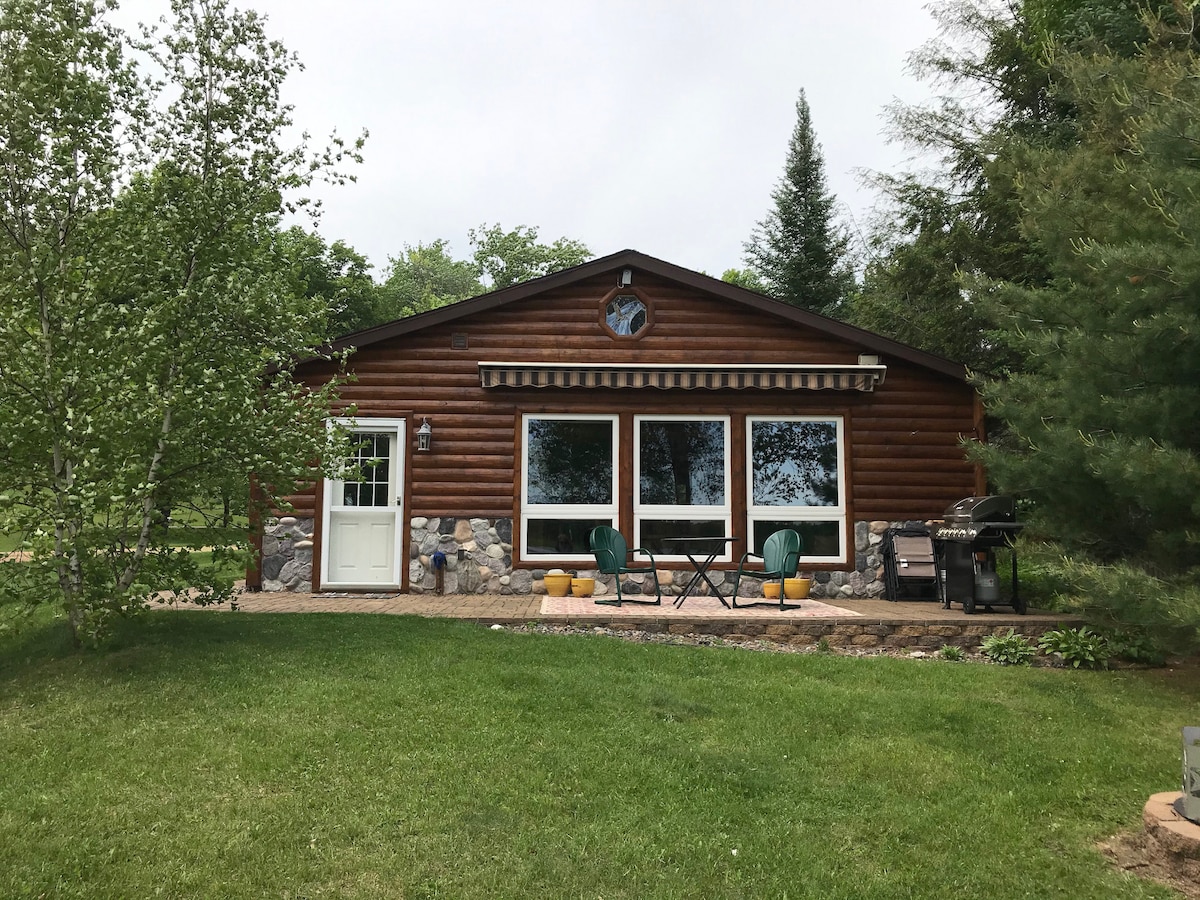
{"points": [[1009, 650], [1155, 613], [952, 653], [1136, 648], [1080, 648]]}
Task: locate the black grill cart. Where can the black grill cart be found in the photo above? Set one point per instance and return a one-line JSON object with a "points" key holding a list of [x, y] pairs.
{"points": [[965, 549]]}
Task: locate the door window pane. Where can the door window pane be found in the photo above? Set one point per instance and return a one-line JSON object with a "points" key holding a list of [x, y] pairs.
{"points": [[371, 459]]}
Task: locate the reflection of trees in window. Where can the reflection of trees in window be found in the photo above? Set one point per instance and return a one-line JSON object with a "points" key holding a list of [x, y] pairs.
{"points": [[368, 466], [570, 461], [795, 463], [682, 463]]}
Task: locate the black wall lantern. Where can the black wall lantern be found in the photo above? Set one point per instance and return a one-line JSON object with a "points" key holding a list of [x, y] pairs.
{"points": [[424, 435]]}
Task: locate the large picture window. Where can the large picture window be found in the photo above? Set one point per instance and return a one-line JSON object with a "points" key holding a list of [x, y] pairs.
{"points": [[569, 483], [681, 469], [797, 480]]}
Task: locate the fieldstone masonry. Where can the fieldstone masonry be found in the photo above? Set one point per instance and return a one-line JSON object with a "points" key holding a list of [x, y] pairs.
{"points": [[478, 554], [478, 557], [867, 578], [287, 555], [478, 560]]}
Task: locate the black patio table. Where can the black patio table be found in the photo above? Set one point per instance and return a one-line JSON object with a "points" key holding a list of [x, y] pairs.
{"points": [[701, 562]]}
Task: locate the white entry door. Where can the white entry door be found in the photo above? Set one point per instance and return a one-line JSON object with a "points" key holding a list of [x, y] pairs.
{"points": [[362, 516]]}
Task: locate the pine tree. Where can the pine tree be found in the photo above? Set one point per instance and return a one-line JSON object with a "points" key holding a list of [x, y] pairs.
{"points": [[1105, 437], [798, 250]]}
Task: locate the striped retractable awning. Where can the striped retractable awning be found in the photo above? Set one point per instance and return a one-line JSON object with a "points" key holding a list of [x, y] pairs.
{"points": [[688, 377]]}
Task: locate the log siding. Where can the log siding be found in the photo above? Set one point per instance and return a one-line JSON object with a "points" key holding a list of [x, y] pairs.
{"points": [[904, 439]]}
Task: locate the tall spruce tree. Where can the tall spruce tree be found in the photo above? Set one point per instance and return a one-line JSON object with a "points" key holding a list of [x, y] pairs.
{"points": [[944, 229], [798, 251]]}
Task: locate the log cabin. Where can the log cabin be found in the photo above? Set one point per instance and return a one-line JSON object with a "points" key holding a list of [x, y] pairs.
{"points": [[493, 434]]}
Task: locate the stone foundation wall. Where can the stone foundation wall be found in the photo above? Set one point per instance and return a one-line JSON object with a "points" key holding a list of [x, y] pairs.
{"points": [[867, 578], [287, 555], [477, 553], [477, 557], [478, 560]]}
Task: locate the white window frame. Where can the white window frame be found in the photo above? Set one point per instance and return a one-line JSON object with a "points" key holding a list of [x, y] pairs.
{"points": [[394, 428], [609, 511], [755, 513], [657, 512]]}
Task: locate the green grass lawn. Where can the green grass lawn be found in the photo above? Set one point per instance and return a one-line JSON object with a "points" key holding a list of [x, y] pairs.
{"points": [[227, 755]]}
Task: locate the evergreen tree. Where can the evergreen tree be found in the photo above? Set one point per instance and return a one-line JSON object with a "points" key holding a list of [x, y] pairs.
{"points": [[1105, 436], [798, 251], [946, 230], [911, 288]]}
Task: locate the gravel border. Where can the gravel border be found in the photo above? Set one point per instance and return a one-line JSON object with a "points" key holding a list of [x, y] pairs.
{"points": [[707, 640]]}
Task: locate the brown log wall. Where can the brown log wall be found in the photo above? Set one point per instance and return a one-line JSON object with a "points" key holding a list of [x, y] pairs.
{"points": [[905, 455]]}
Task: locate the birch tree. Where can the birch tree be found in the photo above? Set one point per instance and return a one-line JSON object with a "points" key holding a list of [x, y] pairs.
{"points": [[144, 294]]}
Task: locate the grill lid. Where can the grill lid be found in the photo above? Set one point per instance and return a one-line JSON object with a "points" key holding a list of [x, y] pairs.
{"points": [[981, 509]]}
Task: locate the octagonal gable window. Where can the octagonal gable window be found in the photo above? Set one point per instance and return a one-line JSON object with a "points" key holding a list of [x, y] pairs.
{"points": [[626, 315]]}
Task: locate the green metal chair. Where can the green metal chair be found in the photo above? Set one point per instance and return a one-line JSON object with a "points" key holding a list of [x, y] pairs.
{"points": [[611, 552], [781, 560]]}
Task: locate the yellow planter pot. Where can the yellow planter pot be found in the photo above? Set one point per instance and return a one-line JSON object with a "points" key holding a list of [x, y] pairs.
{"points": [[583, 587], [796, 588], [793, 588], [557, 585]]}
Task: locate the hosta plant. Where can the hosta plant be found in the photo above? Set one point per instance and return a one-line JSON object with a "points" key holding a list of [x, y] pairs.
{"points": [[1009, 649], [1080, 648]]}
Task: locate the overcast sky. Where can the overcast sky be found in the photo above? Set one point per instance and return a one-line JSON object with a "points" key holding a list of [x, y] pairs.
{"points": [[658, 125]]}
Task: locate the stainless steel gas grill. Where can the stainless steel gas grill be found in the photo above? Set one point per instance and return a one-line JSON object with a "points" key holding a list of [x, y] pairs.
{"points": [[965, 547]]}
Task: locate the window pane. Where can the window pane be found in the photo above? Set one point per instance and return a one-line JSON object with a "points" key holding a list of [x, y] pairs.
{"points": [[370, 459], [570, 461], [654, 530], [376, 467], [795, 463], [555, 536], [820, 538], [682, 463]]}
